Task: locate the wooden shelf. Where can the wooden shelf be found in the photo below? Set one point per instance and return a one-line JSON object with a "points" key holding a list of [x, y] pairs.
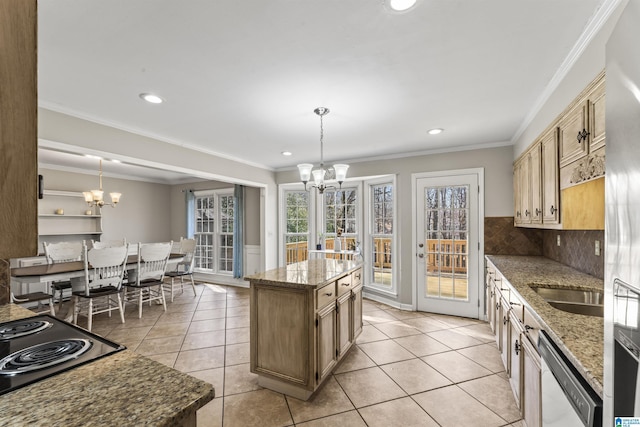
{"points": [[69, 216]]}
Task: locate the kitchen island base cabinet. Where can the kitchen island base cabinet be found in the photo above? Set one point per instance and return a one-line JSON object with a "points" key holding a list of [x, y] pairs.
{"points": [[300, 331]]}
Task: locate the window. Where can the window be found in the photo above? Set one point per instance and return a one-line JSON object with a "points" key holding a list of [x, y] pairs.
{"points": [[381, 234], [214, 231], [297, 226], [340, 212]]}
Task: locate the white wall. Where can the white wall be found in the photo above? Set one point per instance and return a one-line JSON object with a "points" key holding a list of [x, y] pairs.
{"points": [[142, 214], [497, 163]]}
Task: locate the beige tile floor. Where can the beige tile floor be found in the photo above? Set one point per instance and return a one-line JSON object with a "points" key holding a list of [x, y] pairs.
{"points": [[407, 369]]}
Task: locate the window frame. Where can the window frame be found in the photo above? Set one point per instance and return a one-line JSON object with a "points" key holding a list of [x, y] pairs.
{"points": [[217, 232], [367, 246]]}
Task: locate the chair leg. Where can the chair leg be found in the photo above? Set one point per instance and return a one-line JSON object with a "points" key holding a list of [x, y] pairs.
{"points": [[172, 288], [121, 308], [193, 285], [90, 315], [75, 309], [52, 310], [164, 303], [139, 303], [60, 299]]}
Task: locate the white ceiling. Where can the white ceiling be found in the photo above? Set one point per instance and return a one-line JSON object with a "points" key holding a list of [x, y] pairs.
{"points": [[242, 78]]}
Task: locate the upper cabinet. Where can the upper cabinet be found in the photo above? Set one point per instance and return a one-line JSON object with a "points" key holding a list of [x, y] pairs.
{"points": [[18, 130], [571, 152]]}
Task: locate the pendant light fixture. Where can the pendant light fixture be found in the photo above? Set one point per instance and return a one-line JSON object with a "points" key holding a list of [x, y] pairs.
{"points": [[95, 197], [339, 171]]}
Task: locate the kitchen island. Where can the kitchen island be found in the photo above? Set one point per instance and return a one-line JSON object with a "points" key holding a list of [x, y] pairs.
{"points": [[304, 319], [123, 389]]}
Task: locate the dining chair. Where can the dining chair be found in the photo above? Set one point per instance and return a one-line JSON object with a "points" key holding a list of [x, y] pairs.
{"points": [[184, 267], [62, 252], [145, 283], [103, 273], [108, 243], [37, 297]]}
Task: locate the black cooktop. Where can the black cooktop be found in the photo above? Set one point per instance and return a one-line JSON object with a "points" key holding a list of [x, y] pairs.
{"points": [[38, 347]]}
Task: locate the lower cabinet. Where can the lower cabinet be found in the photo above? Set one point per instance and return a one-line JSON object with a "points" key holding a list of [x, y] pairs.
{"points": [[326, 341], [531, 400], [343, 307], [516, 330]]}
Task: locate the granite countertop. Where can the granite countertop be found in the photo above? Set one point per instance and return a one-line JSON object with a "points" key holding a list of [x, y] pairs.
{"points": [[305, 274], [581, 338], [122, 389]]}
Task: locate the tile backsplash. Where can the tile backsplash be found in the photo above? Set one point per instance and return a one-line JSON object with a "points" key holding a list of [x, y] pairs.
{"points": [[502, 238], [577, 247]]}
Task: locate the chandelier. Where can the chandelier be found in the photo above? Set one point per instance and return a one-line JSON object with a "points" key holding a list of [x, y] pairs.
{"points": [[339, 171], [95, 197]]}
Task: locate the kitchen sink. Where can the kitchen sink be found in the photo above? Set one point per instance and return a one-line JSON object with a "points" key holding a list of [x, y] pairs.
{"points": [[589, 303]]}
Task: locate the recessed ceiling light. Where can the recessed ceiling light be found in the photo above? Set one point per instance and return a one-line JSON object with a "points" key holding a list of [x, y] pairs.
{"points": [[401, 5], [91, 156], [151, 98], [286, 153], [435, 131], [115, 161]]}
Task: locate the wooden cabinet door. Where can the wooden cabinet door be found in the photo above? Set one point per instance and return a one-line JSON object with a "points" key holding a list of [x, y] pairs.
{"points": [[505, 331], [356, 312], [18, 130], [571, 148], [550, 178], [525, 193], [517, 200], [344, 323], [531, 400], [535, 184], [515, 357], [597, 117], [326, 344]]}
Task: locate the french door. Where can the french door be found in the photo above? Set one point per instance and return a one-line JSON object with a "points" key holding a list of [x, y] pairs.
{"points": [[447, 223]]}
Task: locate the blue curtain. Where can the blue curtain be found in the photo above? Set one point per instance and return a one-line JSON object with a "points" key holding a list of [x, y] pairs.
{"points": [[238, 231], [190, 200]]}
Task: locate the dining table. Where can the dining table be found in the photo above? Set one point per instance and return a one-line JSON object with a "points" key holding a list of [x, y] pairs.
{"points": [[66, 270]]}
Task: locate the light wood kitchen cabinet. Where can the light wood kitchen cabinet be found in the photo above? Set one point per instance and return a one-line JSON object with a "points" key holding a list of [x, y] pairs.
{"points": [[18, 130], [516, 331], [572, 134], [569, 152], [535, 184], [304, 319], [531, 385], [550, 184], [326, 341]]}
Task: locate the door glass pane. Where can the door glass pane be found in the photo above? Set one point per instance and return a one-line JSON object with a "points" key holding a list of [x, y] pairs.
{"points": [[446, 242]]}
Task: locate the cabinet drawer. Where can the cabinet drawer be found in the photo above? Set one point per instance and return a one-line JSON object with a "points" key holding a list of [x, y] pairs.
{"points": [[356, 278], [344, 285], [531, 327], [326, 295]]}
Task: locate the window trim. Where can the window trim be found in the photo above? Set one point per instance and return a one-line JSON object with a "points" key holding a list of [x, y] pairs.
{"points": [[216, 193], [366, 242]]}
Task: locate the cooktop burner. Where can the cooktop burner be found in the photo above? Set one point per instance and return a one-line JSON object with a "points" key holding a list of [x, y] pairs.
{"points": [[38, 347], [43, 355], [21, 328]]}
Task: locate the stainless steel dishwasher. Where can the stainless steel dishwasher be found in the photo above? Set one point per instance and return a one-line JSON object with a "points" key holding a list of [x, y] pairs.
{"points": [[567, 399]]}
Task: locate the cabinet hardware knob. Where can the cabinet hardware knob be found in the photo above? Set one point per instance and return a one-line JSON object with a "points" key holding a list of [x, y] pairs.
{"points": [[527, 213], [328, 294], [421, 245], [420, 255], [497, 305], [505, 320], [538, 212], [582, 136], [518, 214], [345, 284], [553, 210], [528, 328], [517, 347]]}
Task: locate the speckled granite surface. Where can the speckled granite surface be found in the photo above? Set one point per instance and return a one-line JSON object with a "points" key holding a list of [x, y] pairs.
{"points": [[581, 338], [302, 275], [123, 389]]}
